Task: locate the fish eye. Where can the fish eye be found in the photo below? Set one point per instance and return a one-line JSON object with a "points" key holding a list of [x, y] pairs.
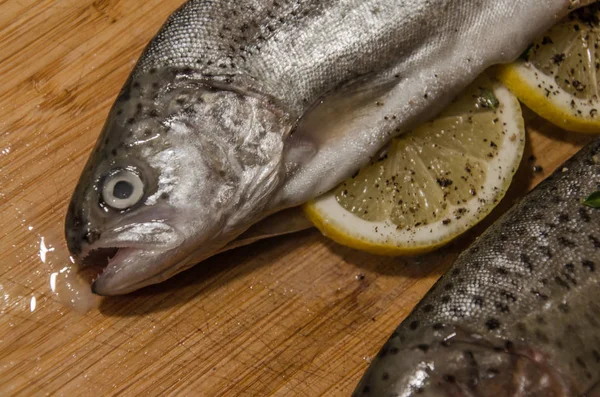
{"points": [[122, 189]]}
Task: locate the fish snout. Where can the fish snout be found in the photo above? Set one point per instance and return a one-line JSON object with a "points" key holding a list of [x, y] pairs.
{"points": [[78, 233]]}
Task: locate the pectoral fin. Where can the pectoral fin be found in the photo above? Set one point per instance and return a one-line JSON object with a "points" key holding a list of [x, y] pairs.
{"points": [[283, 222], [344, 131]]}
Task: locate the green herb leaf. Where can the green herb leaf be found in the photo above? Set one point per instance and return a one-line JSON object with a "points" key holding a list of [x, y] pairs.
{"points": [[487, 99], [593, 200]]}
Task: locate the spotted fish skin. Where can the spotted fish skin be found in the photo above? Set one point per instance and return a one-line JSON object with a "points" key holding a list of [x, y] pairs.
{"points": [[238, 109], [518, 313]]}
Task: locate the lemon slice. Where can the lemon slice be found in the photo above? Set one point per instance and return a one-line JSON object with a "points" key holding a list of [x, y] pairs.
{"points": [[558, 75], [434, 183]]}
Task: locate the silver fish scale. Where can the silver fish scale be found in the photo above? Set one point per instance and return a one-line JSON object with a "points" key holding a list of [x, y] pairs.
{"points": [[299, 95], [297, 51], [533, 278], [383, 65]]}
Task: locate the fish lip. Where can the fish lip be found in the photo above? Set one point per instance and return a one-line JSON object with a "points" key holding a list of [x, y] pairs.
{"points": [[110, 281], [153, 265], [118, 279], [117, 249], [104, 247], [119, 272], [112, 266], [163, 216], [102, 257]]}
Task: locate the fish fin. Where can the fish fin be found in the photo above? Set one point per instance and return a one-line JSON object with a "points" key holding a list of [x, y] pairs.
{"points": [[350, 111], [342, 111], [287, 221]]}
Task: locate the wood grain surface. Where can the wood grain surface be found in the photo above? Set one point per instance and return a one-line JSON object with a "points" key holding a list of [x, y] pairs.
{"points": [[291, 316]]}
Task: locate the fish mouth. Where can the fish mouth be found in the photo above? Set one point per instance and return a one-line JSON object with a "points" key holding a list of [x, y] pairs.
{"points": [[130, 269], [120, 270], [100, 262], [99, 257], [127, 257], [106, 261]]}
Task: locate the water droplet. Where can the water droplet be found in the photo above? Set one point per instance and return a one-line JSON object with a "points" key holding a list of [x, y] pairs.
{"points": [[44, 250], [32, 303]]}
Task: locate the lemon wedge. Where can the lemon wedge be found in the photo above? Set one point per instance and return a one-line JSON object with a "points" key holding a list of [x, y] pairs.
{"points": [[558, 76], [434, 182]]}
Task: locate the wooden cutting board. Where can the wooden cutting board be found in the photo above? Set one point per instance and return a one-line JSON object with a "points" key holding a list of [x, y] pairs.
{"points": [[296, 315]]}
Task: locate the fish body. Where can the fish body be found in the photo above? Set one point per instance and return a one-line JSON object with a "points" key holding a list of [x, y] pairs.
{"points": [[518, 313], [239, 109]]}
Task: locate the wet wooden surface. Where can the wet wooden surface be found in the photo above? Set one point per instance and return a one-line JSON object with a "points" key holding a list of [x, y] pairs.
{"points": [[296, 315]]}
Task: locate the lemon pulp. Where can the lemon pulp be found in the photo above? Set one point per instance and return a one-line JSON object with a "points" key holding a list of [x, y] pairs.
{"points": [[558, 76], [434, 182]]}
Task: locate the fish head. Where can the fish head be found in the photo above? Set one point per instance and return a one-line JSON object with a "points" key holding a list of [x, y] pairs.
{"points": [[446, 361], [181, 168]]}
